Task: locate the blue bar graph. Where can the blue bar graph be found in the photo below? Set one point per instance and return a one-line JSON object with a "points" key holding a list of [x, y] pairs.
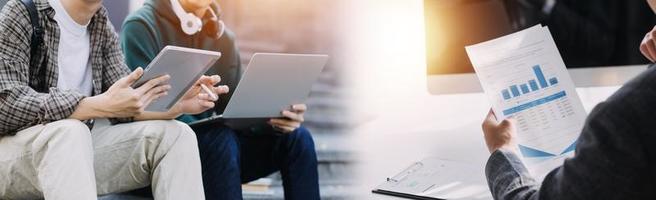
{"points": [[553, 81], [531, 86], [505, 94], [524, 88], [534, 85], [514, 90], [538, 73]]}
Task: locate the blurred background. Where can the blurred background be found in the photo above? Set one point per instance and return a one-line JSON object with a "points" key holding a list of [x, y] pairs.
{"points": [[372, 104], [295, 26]]}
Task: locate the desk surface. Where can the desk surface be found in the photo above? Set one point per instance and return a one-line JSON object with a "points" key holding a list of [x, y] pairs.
{"points": [[446, 126]]}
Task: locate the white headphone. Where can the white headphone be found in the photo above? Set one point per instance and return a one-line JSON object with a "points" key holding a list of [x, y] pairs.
{"points": [[191, 24]]}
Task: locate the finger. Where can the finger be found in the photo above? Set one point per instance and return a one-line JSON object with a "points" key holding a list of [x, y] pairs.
{"points": [[645, 51], [204, 80], [293, 116], [205, 97], [206, 104], [490, 121], [506, 123], [153, 83], [154, 93], [491, 118], [215, 79], [222, 89], [299, 108], [285, 122], [209, 80], [153, 98], [509, 125], [651, 50], [128, 80], [283, 127]]}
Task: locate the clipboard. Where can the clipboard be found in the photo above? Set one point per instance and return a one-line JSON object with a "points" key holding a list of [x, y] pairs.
{"points": [[437, 179]]}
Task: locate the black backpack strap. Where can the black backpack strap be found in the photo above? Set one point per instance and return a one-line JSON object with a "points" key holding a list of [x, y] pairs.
{"points": [[35, 44], [37, 30]]}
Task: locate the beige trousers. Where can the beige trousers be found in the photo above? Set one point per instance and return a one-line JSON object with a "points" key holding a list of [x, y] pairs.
{"points": [[65, 160]]}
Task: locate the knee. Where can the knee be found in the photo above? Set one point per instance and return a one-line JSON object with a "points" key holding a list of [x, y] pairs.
{"points": [[301, 140], [219, 145], [68, 129], [70, 125], [67, 133], [182, 131], [167, 129], [303, 136]]}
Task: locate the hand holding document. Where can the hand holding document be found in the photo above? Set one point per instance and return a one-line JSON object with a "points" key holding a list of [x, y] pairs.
{"points": [[525, 78]]}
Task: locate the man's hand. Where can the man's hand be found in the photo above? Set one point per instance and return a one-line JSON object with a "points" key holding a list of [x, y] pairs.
{"points": [[648, 47], [292, 119], [499, 135], [195, 101], [121, 100]]}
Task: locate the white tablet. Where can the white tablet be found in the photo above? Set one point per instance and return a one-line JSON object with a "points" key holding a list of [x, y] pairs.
{"points": [[184, 65]]}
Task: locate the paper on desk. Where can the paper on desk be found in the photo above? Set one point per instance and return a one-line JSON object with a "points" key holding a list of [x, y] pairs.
{"points": [[435, 178], [525, 78]]}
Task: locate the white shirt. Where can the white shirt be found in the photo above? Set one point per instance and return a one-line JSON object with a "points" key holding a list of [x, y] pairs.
{"points": [[73, 53]]}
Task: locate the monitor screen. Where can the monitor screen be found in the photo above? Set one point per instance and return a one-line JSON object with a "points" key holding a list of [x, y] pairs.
{"points": [[453, 24]]}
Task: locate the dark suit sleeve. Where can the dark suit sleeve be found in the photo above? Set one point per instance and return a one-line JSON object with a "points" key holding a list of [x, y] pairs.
{"points": [[611, 162]]}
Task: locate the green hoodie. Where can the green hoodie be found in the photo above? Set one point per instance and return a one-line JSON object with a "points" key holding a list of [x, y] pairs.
{"points": [[155, 25]]}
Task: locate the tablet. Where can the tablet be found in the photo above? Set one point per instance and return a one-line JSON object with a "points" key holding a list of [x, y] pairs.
{"points": [[184, 65]]}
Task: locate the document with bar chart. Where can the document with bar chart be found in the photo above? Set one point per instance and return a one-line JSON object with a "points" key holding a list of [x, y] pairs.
{"points": [[525, 78]]}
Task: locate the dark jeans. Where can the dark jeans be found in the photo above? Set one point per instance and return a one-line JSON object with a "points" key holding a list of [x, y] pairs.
{"points": [[230, 158]]}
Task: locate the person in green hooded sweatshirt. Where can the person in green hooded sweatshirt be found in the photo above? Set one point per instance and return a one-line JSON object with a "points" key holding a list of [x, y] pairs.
{"points": [[229, 157]]}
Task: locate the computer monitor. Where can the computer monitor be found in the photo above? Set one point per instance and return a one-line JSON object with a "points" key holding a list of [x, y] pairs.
{"points": [[450, 26], [453, 24]]}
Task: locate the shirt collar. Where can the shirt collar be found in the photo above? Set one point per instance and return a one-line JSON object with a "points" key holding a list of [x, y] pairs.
{"points": [[41, 4]]}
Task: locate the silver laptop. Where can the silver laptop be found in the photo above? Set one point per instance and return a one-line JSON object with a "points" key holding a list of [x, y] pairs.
{"points": [[272, 83]]}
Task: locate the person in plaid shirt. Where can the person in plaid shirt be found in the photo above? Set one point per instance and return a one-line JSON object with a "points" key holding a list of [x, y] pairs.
{"points": [[49, 145]]}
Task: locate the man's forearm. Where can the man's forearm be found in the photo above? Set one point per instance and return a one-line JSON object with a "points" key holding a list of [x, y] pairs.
{"points": [[87, 109], [171, 114], [90, 108]]}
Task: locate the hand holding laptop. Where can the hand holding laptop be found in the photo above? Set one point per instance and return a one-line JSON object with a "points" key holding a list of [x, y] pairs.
{"points": [[291, 119], [271, 90]]}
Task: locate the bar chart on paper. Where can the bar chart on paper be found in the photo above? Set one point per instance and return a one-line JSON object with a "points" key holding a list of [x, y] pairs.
{"points": [[533, 84], [535, 98], [525, 79], [539, 75]]}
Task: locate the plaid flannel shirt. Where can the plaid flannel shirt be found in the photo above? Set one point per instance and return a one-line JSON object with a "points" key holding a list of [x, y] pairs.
{"points": [[29, 96]]}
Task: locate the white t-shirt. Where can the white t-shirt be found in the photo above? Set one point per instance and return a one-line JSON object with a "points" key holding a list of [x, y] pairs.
{"points": [[73, 53]]}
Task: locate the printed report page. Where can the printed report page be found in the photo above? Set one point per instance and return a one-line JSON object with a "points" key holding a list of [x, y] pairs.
{"points": [[525, 78]]}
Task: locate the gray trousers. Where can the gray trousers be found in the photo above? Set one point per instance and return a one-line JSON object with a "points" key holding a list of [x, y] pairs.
{"points": [[65, 160]]}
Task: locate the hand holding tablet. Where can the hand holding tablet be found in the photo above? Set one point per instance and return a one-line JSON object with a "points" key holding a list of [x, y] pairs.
{"points": [[184, 65]]}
